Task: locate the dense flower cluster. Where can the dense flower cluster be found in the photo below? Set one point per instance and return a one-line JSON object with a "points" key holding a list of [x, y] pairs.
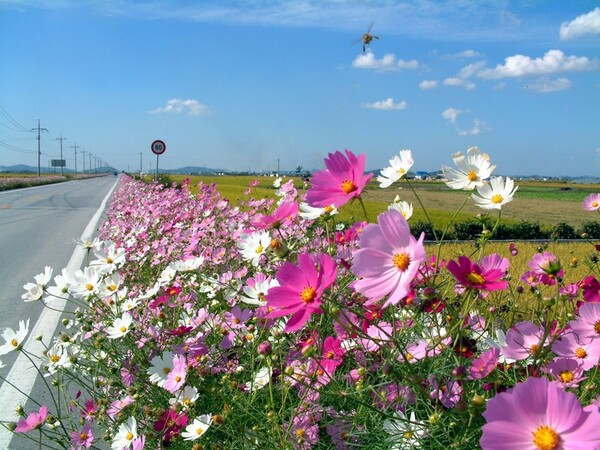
{"points": [[255, 326]]}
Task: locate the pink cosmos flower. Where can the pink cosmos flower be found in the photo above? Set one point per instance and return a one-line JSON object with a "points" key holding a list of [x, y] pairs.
{"points": [[524, 340], [170, 424], [485, 364], [539, 414], [546, 264], [34, 420], [388, 259], [592, 202], [567, 372], [487, 277], [300, 289], [176, 377], [587, 325], [333, 355], [82, 438], [283, 216], [586, 352], [343, 180], [591, 289]]}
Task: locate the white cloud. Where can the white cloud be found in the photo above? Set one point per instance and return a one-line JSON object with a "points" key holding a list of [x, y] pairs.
{"points": [[176, 105], [509, 19], [459, 82], [553, 61], [451, 114], [428, 84], [547, 85], [479, 127], [387, 105], [585, 24], [388, 62], [471, 69]]}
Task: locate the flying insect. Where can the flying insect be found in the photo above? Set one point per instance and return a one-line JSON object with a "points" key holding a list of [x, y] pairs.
{"points": [[367, 38]]}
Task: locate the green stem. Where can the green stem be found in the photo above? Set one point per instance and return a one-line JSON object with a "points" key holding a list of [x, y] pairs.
{"points": [[363, 208]]}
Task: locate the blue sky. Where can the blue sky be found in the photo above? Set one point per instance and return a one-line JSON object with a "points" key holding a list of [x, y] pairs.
{"points": [[241, 84]]}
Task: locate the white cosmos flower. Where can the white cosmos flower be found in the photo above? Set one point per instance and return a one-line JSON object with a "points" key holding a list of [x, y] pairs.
{"points": [[253, 246], [58, 357], [255, 295], [405, 433], [495, 194], [110, 285], [126, 435], [85, 283], [404, 208], [14, 339], [261, 379], [89, 243], [313, 212], [120, 326], [277, 182], [109, 259], [473, 169], [399, 166], [185, 397], [60, 288], [187, 265], [197, 428], [160, 369], [36, 290]]}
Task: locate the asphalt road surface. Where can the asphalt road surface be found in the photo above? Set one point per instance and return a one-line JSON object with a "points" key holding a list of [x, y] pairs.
{"points": [[38, 228]]}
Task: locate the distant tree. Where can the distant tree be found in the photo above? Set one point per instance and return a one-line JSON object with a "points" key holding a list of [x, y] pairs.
{"points": [[298, 169]]}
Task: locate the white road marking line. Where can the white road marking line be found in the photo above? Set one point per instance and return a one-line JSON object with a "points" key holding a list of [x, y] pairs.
{"points": [[22, 374]]}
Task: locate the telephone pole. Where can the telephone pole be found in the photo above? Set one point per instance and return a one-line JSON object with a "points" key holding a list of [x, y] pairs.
{"points": [[61, 156], [83, 159], [75, 146], [39, 148], [90, 155]]}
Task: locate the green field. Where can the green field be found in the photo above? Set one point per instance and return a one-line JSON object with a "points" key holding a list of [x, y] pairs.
{"points": [[545, 203]]}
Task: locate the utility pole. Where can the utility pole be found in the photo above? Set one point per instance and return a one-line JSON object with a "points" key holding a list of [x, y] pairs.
{"points": [[61, 156], [141, 168], [39, 149], [75, 146], [90, 153], [83, 158]]}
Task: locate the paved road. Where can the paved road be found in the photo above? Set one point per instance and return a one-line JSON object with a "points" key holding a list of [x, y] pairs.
{"points": [[37, 228]]}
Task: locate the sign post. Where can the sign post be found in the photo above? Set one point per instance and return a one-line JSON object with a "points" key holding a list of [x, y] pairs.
{"points": [[158, 147]]}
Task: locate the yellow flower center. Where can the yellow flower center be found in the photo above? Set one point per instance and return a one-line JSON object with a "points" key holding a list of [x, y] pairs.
{"points": [[178, 378], [348, 186], [408, 434], [167, 370], [259, 249], [472, 176], [55, 358], [595, 204], [83, 436], [123, 328], [409, 356], [566, 376], [475, 278], [497, 198], [401, 171], [597, 327], [129, 436], [581, 353], [329, 355], [328, 209], [401, 261], [109, 261], [545, 438], [534, 349], [14, 343], [301, 433], [112, 287], [199, 431], [89, 287], [275, 244], [308, 294]]}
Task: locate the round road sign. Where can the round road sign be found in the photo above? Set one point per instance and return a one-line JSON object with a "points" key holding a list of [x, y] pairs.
{"points": [[158, 147]]}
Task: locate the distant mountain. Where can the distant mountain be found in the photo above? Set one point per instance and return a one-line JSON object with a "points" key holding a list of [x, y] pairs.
{"points": [[22, 168], [190, 170]]}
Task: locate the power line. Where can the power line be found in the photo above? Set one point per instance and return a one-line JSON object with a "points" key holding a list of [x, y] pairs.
{"points": [[39, 149], [13, 121]]}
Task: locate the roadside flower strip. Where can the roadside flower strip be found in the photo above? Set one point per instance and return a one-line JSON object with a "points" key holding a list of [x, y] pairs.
{"points": [[202, 324]]}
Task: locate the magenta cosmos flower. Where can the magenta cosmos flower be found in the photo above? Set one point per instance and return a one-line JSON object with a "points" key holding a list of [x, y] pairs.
{"points": [[487, 276], [539, 415], [33, 421], [300, 289], [591, 202], [343, 180], [388, 259], [283, 216]]}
